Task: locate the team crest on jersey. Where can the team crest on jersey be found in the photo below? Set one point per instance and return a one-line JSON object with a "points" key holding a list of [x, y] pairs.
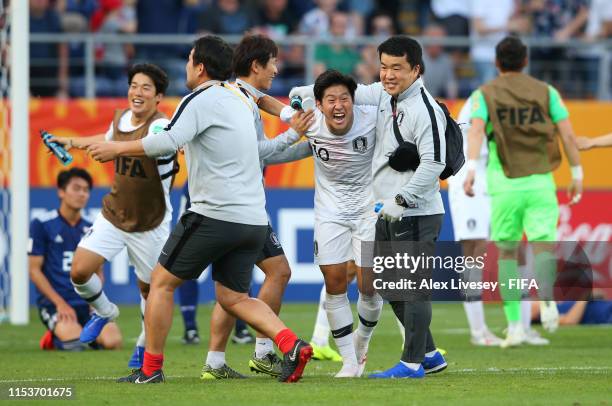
{"points": [[275, 240], [360, 144]]}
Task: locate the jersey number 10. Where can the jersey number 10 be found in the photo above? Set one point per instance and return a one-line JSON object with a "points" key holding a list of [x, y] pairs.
{"points": [[321, 152]]}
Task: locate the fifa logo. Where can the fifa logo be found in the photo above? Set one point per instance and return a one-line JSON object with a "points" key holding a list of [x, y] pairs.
{"points": [[360, 144]]}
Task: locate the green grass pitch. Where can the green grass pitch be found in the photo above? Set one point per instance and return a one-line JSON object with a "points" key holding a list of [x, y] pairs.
{"points": [[576, 369]]}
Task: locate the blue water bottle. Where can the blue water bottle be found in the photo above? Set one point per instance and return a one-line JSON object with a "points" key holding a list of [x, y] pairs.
{"points": [[59, 151]]}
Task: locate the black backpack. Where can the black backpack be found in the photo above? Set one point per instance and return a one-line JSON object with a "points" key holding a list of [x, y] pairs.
{"points": [[406, 156]]}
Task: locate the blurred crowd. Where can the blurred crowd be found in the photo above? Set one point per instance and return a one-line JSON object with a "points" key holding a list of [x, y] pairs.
{"points": [[58, 70]]}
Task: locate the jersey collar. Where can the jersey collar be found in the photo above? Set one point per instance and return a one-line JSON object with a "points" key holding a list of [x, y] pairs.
{"points": [[206, 84], [413, 90]]}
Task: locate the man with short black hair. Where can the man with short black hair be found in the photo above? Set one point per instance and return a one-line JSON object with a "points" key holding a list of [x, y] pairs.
{"points": [[522, 116], [342, 141], [136, 213], [53, 239], [409, 202], [254, 64], [226, 224], [412, 208]]}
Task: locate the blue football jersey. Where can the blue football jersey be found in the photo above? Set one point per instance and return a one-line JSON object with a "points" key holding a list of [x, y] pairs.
{"points": [[596, 312], [52, 237]]}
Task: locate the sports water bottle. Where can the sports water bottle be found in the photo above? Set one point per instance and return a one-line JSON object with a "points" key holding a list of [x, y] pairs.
{"points": [[59, 151], [306, 104]]}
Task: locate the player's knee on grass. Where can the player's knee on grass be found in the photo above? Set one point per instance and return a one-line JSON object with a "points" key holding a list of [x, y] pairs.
{"points": [[110, 338], [67, 330]]}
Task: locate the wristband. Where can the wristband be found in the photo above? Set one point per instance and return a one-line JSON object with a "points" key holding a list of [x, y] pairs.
{"points": [[471, 164], [577, 173]]}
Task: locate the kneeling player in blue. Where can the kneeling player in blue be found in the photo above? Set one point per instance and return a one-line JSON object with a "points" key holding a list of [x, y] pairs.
{"points": [[579, 312], [53, 239]]}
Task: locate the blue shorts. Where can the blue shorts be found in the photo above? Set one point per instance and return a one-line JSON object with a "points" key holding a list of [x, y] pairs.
{"points": [[48, 315]]}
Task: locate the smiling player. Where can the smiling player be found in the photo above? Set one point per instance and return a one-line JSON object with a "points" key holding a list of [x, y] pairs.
{"points": [[136, 213]]}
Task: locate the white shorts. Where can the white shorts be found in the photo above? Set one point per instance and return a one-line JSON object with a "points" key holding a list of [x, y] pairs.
{"points": [[471, 215], [143, 248], [338, 241]]}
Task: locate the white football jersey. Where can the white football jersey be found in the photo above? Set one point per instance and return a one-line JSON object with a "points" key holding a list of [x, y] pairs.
{"points": [[343, 166]]}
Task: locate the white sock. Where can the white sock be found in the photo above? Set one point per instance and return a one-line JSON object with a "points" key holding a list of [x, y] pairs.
{"points": [[215, 359], [475, 316], [263, 346], [101, 304], [368, 308], [430, 353], [526, 314], [513, 326], [411, 365], [320, 334], [341, 322], [140, 342]]}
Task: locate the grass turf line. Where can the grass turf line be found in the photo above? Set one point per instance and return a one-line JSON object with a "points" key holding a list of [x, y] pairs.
{"points": [[574, 369]]}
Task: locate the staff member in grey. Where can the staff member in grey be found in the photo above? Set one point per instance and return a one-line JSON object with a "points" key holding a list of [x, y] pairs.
{"points": [[226, 224], [412, 208]]}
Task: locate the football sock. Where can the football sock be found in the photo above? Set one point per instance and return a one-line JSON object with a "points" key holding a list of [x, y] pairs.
{"points": [[285, 340], [475, 316], [368, 309], [263, 346], [140, 342], [526, 314], [152, 362], [411, 365], [320, 334], [546, 273], [215, 359], [508, 270], [188, 299], [240, 325], [341, 322], [92, 292]]}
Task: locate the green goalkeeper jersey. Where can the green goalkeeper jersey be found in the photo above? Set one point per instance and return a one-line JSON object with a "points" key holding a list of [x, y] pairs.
{"points": [[497, 181]]}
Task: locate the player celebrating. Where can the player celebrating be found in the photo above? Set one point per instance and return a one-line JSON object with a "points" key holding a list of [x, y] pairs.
{"points": [[53, 239], [471, 219], [522, 115], [226, 224], [136, 213], [342, 141], [254, 64]]}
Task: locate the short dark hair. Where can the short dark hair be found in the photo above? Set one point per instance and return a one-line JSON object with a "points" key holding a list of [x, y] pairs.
{"points": [[64, 177], [216, 56], [511, 54], [403, 45], [253, 48], [154, 72], [331, 78]]}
